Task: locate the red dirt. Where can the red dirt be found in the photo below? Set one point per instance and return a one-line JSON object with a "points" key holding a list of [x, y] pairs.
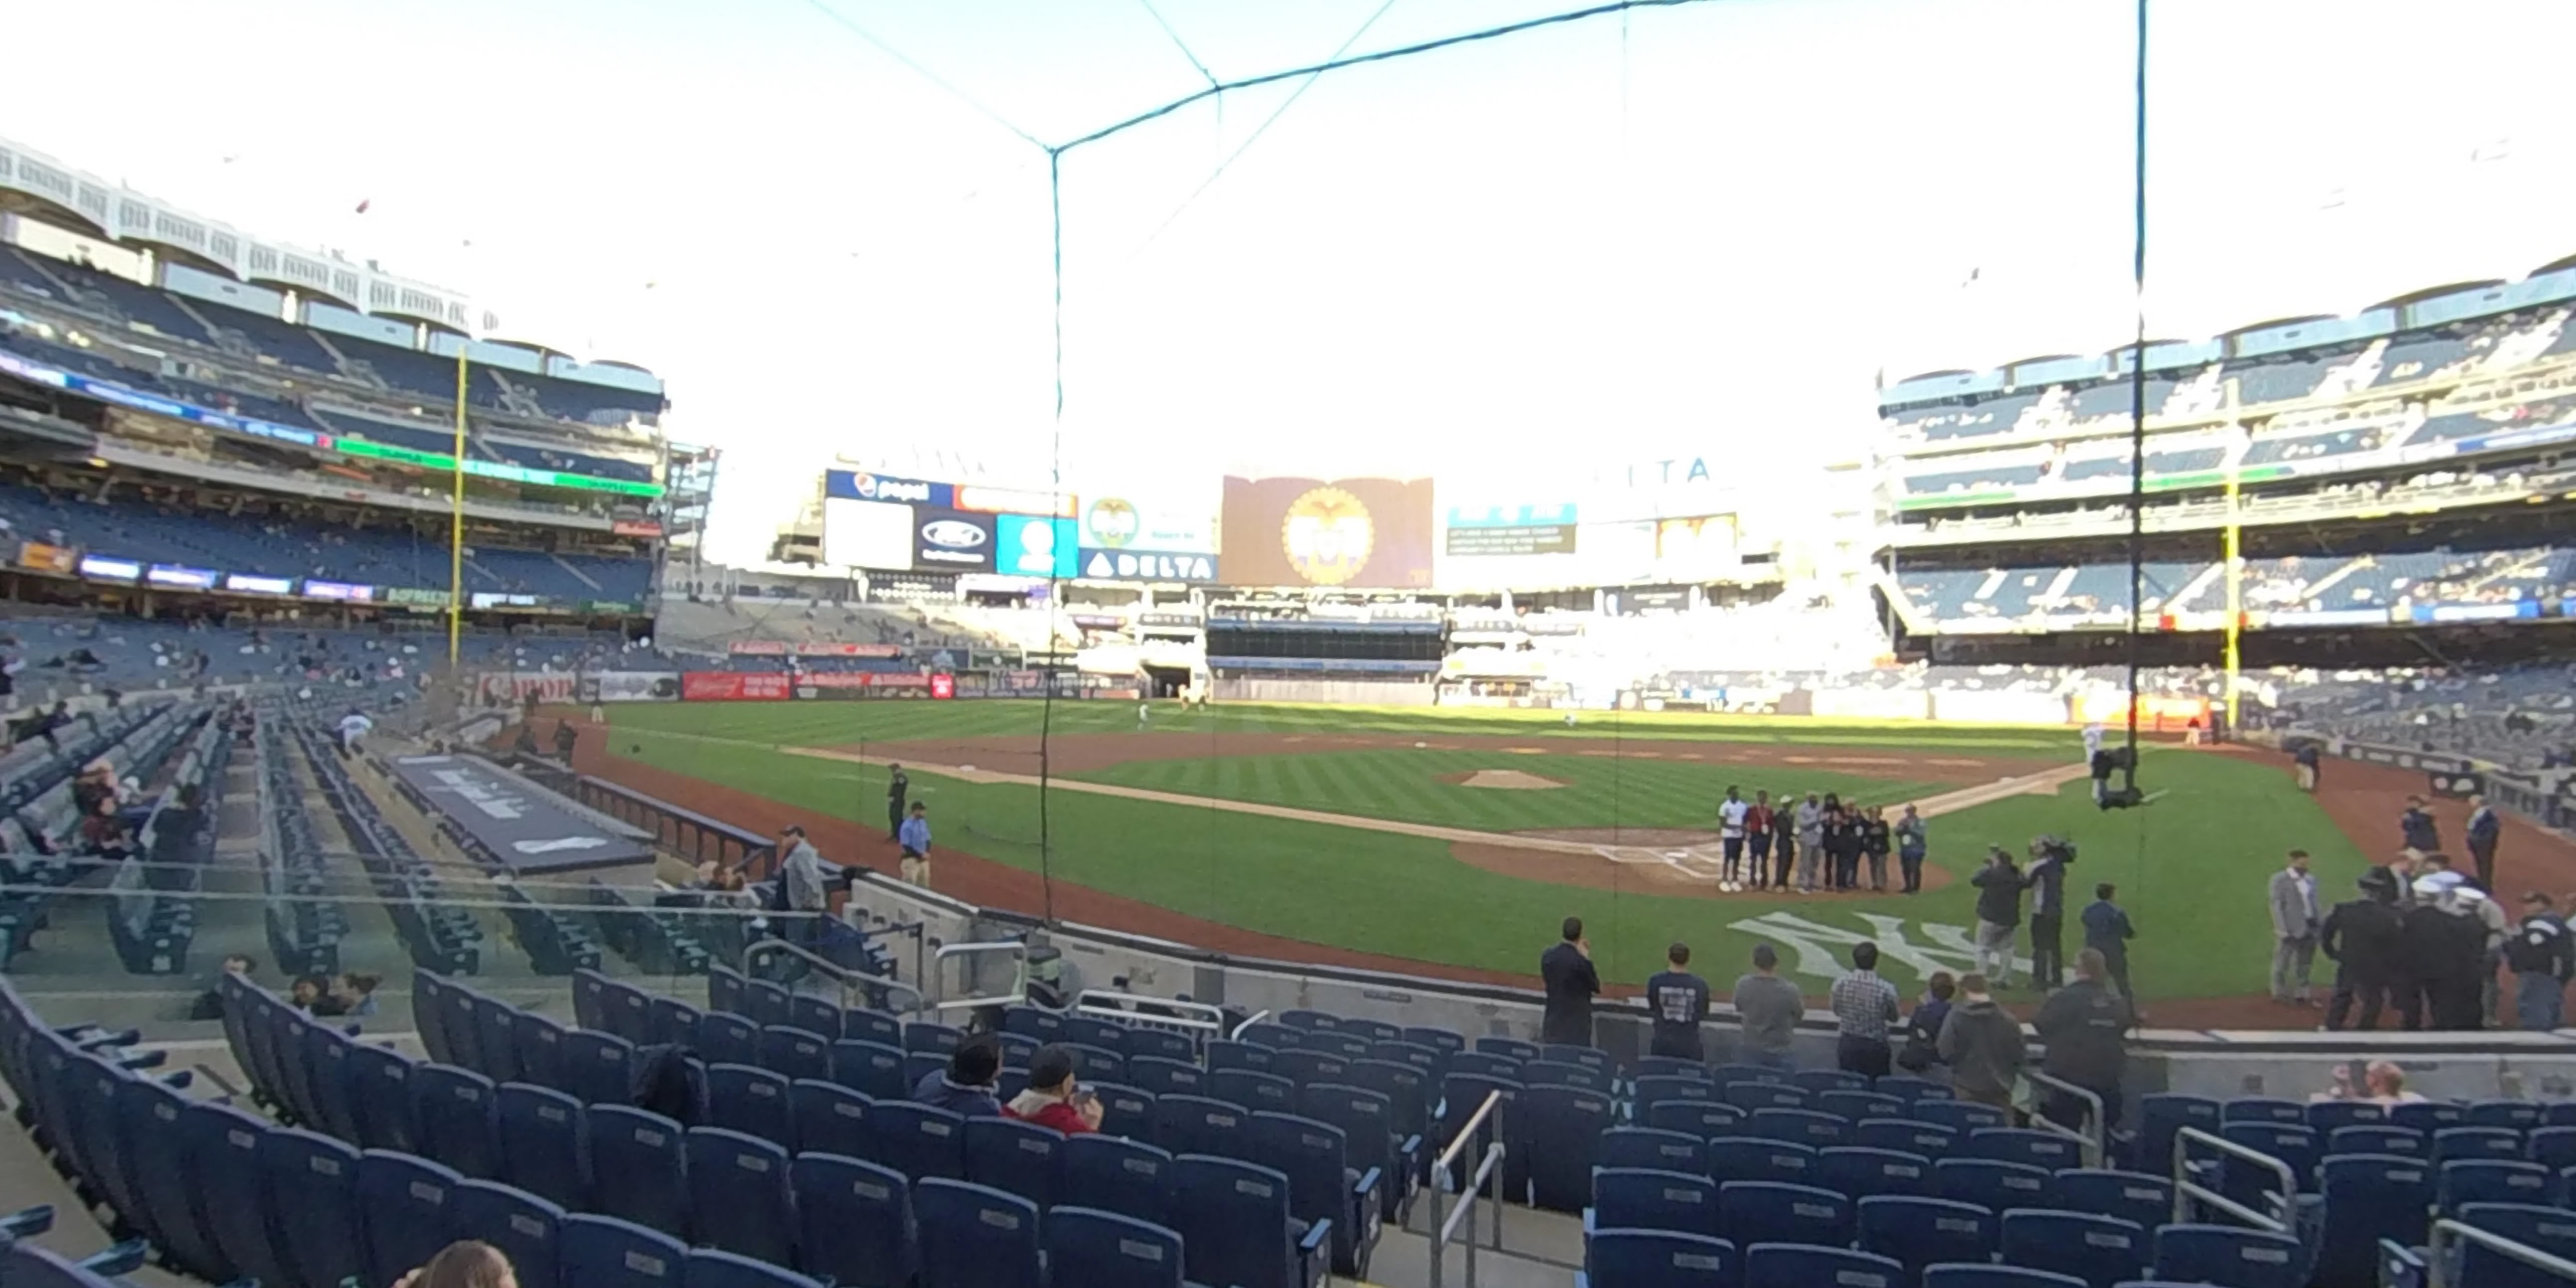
{"points": [[1080, 753], [2365, 800]]}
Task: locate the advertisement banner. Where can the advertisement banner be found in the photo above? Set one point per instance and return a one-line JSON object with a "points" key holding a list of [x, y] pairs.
{"points": [[515, 687], [338, 590], [182, 577], [45, 558], [416, 597], [1314, 532], [1145, 565], [733, 686], [863, 684], [103, 568], [1497, 530], [630, 686], [1033, 547], [810, 648], [1158, 519], [875, 535], [1009, 500], [859, 485], [635, 528], [951, 540], [242, 583], [1978, 706]]}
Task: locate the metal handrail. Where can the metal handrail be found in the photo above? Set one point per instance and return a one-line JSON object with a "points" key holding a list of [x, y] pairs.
{"points": [[1246, 1026], [1019, 990], [1196, 1019], [2437, 1255], [761, 949], [2090, 1141], [1488, 1172], [2188, 1191]]}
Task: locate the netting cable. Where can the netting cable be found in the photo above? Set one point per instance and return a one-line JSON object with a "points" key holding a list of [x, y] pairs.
{"points": [[2137, 401]]}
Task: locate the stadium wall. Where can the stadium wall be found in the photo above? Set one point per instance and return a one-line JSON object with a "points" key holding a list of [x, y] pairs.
{"points": [[1355, 693]]}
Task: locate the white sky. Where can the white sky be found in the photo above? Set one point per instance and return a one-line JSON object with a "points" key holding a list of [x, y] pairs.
{"points": [[1704, 236]]}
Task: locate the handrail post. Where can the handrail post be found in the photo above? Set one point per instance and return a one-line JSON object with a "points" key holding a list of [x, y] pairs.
{"points": [[2094, 1142], [1444, 1224], [2187, 1191]]}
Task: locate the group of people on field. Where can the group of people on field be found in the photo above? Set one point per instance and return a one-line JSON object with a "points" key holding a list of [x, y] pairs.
{"points": [[1816, 843]]}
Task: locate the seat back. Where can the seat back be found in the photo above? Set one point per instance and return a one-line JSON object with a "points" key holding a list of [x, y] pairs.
{"points": [[496, 1040], [2367, 1198], [1197, 1125], [925, 1038], [765, 1002], [1226, 1053], [1753, 1097], [918, 1140], [853, 1221], [1701, 1118], [2135, 1197], [1015, 1158], [638, 1168], [1798, 1265], [2515, 1115], [2229, 1257], [2160, 1116], [2260, 1109], [2102, 1251], [750, 1100], [1863, 1173], [795, 1053], [1304, 1067], [1261, 1091], [1445, 1041], [540, 1045], [974, 1236], [604, 1252], [1100, 1249], [727, 1038], [1233, 1218], [829, 1118], [710, 1268], [452, 1119], [1962, 1116], [2023, 1145], [542, 1136], [820, 1016], [2326, 1116], [1645, 1198], [738, 1194], [1989, 1184], [1167, 1077], [1124, 1111], [380, 1102], [527, 1229], [2004, 1277], [2475, 1142], [410, 1212], [153, 1116], [599, 1068], [1669, 1151], [1803, 1126], [1860, 1106], [1752, 1158], [862, 1025], [1557, 1130], [1114, 1174], [223, 1160], [312, 1180], [1905, 1136], [1758, 1211], [326, 1053], [2550, 1229], [2383, 1138], [2494, 1180], [873, 1069], [2429, 1116], [1660, 1259], [1920, 1232]]}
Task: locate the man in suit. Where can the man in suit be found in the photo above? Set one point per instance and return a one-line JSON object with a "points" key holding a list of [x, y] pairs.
{"points": [[2295, 919], [1567, 971], [898, 786], [2485, 829]]}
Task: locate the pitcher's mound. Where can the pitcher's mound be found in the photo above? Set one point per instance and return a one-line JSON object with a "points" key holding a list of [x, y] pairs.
{"points": [[1511, 780]]}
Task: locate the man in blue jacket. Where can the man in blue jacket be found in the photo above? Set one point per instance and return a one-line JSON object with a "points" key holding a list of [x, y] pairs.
{"points": [[2485, 829]]}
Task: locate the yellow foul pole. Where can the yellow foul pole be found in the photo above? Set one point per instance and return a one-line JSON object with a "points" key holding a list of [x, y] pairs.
{"points": [[456, 529], [2235, 571]]}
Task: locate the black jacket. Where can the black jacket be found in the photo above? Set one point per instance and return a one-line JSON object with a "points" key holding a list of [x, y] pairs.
{"points": [[2543, 945], [1571, 982], [2086, 1028], [2365, 935], [2046, 881], [2440, 945], [1998, 894]]}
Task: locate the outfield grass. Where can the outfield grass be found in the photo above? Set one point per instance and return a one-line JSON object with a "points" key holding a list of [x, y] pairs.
{"points": [[2192, 867]]}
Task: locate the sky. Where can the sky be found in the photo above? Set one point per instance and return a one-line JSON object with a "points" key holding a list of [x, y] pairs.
{"points": [[1701, 231]]}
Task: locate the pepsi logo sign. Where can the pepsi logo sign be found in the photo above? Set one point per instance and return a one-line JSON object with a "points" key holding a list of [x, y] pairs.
{"points": [[873, 488], [953, 534]]}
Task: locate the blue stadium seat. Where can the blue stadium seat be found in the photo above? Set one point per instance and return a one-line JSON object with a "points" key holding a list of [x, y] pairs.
{"points": [[313, 1206], [527, 1229], [1907, 1088], [752, 1101], [599, 1068], [1625, 1198], [452, 1119], [1271, 1034], [1365, 1118], [1098, 1063], [2229, 1257], [540, 1045], [2022, 1145], [590, 1007], [1322, 1187], [1408, 1091], [1118, 1175], [1444, 1041], [1370, 1030], [710, 1268], [2259, 1109], [1309, 1021], [1125, 1111], [1486, 1064], [459, 1005], [1860, 1106], [1959, 1115], [859, 1024], [1920, 1232], [917, 1140], [2326, 1116], [1162, 1044], [1512, 1049], [604, 1252], [1015, 1158], [2551, 1147], [1304, 1066], [1658, 1259], [1669, 1151], [496, 1040], [1757, 1211], [1234, 1220], [1905, 1136], [1590, 1057], [1799, 1265], [1801, 1126], [2493, 1180], [1728, 1075], [1344, 1043], [1561, 1128], [1654, 1089], [853, 1221], [2514, 1115], [1099, 1249], [1989, 1184], [638, 1168], [2550, 1229], [738, 1195], [1198, 1125], [2102, 1251], [1224, 1054], [410, 1212], [542, 1143], [1263, 1091], [1867, 1173], [2475, 1142], [154, 1117], [817, 1015], [1751, 1158], [941, 1040], [2429, 1116], [223, 1152], [795, 1053], [1701, 1118], [1959, 1276], [2382, 1138], [1753, 1097], [766, 1002], [1433, 1062], [1820, 1081], [1670, 1066], [2135, 1197], [1169, 1077], [2160, 1116], [829, 1118], [674, 1023], [326, 1054], [2292, 1143], [1088, 1031], [2367, 1198], [973, 1236], [429, 1009], [1031, 1022], [727, 1038], [872, 1069]]}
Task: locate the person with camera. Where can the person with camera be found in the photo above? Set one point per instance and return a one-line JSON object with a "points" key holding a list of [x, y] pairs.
{"points": [[1053, 1098], [2046, 881]]}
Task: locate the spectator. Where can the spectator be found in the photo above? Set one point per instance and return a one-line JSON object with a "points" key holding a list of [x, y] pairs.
{"points": [[2416, 829], [1923, 1028], [357, 994], [353, 727], [2108, 932], [2485, 829], [1678, 1000], [2295, 921], [1913, 842], [1999, 887], [801, 880], [2363, 937], [1982, 1044], [1566, 970], [915, 835], [1865, 1009], [466, 1263], [210, 1004], [2308, 758], [1768, 1008], [966, 1086], [2383, 1083], [311, 994], [2540, 957], [2085, 1027], [566, 738], [2046, 881], [1053, 1098]]}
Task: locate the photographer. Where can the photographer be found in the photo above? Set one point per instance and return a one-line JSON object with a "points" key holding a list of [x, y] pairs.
{"points": [[2046, 880]]}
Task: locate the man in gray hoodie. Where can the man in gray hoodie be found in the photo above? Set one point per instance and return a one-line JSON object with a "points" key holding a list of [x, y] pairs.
{"points": [[1982, 1044]]}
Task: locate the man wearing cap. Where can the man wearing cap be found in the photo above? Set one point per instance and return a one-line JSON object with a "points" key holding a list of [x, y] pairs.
{"points": [[2540, 956], [915, 837]]}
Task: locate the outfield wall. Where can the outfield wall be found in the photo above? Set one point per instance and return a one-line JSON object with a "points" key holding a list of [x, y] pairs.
{"points": [[1347, 693]]}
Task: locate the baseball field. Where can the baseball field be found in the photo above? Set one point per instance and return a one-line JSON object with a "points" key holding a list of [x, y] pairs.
{"points": [[1451, 843]]}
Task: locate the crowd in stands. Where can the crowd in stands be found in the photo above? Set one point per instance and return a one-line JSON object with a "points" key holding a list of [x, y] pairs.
{"points": [[2098, 594]]}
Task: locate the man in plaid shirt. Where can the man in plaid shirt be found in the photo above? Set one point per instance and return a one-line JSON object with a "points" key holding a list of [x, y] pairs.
{"points": [[1865, 1007]]}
